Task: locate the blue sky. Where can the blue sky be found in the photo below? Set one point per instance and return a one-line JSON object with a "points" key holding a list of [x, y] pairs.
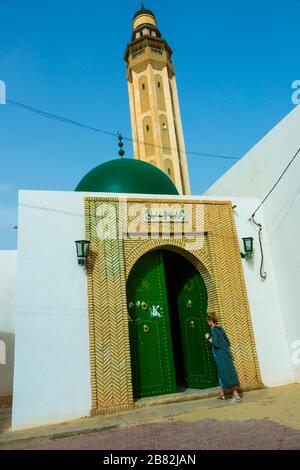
{"points": [[235, 61]]}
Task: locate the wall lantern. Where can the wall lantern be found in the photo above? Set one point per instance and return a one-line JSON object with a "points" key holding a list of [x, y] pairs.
{"points": [[82, 249], [248, 247]]}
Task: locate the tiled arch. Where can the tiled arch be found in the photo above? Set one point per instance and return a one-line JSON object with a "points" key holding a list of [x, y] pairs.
{"points": [[200, 261], [109, 265]]}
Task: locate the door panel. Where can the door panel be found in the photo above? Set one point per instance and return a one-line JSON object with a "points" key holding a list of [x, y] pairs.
{"points": [[149, 327], [199, 365]]}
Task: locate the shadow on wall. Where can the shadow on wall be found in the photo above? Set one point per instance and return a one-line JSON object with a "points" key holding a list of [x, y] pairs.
{"points": [[7, 347], [283, 213]]}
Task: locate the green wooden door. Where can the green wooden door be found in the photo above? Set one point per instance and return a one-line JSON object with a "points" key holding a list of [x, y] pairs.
{"points": [[152, 362], [199, 364]]}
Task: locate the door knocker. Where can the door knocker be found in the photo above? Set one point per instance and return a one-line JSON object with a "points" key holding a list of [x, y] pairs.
{"points": [[144, 305], [189, 304], [146, 329], [189, 285]]}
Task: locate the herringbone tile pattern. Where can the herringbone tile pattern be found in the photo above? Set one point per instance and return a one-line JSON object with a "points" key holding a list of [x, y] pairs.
{"points": [[109, 344], [219, 263]]}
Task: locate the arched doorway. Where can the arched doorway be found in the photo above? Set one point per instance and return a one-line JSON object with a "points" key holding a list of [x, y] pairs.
{"points": [[167, 305]]}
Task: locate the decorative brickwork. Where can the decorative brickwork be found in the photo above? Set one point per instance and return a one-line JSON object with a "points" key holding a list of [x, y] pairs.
{"points": [[217, 260]]}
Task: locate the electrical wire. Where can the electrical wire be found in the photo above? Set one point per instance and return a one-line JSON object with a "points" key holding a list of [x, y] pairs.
{"points": [[274, 186], [59, 118], [45, 114], [263, 274], [114, 134]]}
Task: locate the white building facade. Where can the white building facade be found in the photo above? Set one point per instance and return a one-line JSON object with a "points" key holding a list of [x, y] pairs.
{"points": [[52, 367], [45, 310], [254, 176]]}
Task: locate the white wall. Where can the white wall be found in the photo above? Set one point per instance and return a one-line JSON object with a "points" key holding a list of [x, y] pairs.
{"points": [[269, 330], [8, 273], [52, 368], [52, 371], [255, 175]]}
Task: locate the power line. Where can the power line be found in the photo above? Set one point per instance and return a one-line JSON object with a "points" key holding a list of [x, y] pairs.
{"points": [[58, 118], [263, 274], [114, 134], [274, 186]]}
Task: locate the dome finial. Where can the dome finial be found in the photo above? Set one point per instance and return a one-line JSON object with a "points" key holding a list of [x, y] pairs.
{"points": [[146, 14], [121, 151]]}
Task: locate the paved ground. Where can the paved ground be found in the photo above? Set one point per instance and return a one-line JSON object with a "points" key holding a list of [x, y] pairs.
{"points": [[265, 419], [200, 435], [5, 414]]}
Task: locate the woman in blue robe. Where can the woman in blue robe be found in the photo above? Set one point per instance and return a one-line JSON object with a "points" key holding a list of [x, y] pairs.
{"points": [[221, 350]]}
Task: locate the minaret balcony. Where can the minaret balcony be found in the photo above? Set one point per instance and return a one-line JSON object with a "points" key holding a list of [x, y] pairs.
{"points": [[151, 50], [138, 53], [145, 43], [158, 58]]}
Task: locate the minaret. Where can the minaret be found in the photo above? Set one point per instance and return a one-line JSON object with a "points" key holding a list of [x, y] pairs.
{"points": [[154, 105]]}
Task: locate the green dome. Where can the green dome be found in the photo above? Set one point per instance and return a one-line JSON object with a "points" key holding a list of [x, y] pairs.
{"points": [[127, 176]]}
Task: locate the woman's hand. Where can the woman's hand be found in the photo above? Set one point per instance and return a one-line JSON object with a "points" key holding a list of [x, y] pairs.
{"points": [[207, 335]]}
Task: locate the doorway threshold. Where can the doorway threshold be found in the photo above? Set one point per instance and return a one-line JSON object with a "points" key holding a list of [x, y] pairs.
{"points": [[187, 394]]}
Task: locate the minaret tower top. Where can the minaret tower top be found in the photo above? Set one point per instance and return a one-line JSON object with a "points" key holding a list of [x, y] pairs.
{"points": [[144, 16], [154, 105]]}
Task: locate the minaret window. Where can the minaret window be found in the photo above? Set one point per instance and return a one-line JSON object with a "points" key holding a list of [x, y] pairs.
{"points": [[146, 32], [145, 103], [169, 168], [166, 143], [153, 33], [148, 137], [160, 92]]}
